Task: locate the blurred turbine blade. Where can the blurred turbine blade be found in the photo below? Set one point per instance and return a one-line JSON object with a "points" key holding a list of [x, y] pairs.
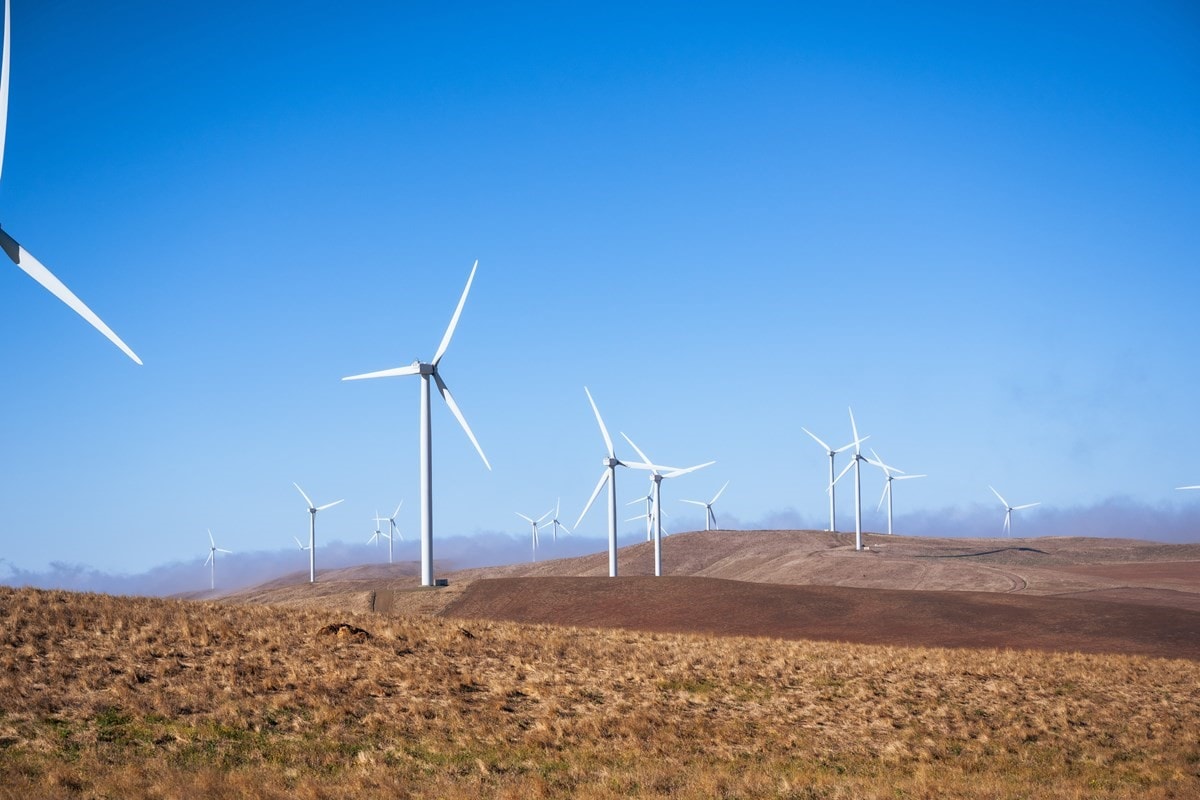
{"points": [[1002, 500], [645, 459], [329, 505], [36, 270], [449, 398], [719, 493], [441, 351], [686, 470], [815, 439], [854, 428], [522, 516], [302, 494], [1027, 505]]}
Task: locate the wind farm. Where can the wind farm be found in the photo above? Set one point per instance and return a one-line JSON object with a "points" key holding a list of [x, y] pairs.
{"points": [[738, 223]]}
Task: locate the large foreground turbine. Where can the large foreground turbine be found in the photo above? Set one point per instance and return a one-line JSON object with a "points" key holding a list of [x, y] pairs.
{"points": [[426, 371], [19, 255]]}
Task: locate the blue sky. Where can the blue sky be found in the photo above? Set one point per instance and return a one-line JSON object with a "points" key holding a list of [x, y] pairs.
{"points": [[976, 225]]}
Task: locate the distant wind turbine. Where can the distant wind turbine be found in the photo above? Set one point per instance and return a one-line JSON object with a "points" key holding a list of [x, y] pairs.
{"points": [[533, 525], [554, 524], [609, 476], [657, 475], [832, 455], [1009, 509], [312, 531], [427, 370], [709, 517], [856, 463], [211, 563], [378, 535], [19, 255], [892, 474], [299, 544], [394, 530]]}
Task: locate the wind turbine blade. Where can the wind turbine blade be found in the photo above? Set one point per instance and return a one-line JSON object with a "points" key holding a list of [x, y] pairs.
{"points": [[685, 470], [208, 560], [458, 415], [302, 494], [639, 516], [411, 369], [1007, 520], [522, 516], [887, 487], [636, 501], [1002, 500], [854, 428], [643, 456], [592, 499], [695, 502], [36, 270], [441, 351], [210, 539], [815, 439], [397, 511], [297, 541], [841, 474], [223, 550], [329, 505], [1181, 488], [603, 430], [4, 86], [909, 477], [543, 516], [718, 495], [1027, 505]]}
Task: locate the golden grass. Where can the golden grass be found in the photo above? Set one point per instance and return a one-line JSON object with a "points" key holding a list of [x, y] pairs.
{"points": [[127, 697]]}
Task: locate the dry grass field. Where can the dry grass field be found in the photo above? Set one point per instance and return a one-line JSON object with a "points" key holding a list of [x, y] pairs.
{"points": [[127, 697], [770, 664]]}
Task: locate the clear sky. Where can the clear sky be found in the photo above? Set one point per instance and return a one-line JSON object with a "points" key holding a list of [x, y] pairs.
{"points": [[976, 224]]}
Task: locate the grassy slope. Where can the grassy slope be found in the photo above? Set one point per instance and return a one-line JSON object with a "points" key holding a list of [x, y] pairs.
{"points": [[129, 697]]}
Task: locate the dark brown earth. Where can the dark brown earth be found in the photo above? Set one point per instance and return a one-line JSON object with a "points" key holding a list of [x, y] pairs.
{"points": [[1051, 593], [831, 613]]}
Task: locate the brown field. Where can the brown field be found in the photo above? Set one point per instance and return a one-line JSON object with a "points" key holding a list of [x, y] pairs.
{"points": [[982, 669]]}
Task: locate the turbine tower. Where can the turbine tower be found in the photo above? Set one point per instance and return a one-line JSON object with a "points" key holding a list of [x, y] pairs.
{"points": [[609, 476], [312, 531], [832, 455], [857, 464], [427, 370], [533, 525], [887, 487], [19, 255], [1008, 511], [212, 561], [657, 475], [709, 517]]}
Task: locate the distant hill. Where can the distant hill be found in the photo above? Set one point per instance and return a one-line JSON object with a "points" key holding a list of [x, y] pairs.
{"points": [[1076, 593]]}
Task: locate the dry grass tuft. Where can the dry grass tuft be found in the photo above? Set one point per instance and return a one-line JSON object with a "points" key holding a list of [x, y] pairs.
{"points": [[128, 697]]}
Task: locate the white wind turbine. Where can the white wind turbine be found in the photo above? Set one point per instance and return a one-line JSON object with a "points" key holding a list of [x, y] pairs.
{"points": [[892, 474], [856, 463], [533, 525], [609, 476], [648, 516], [394, 530], [19, 255], [657, 475], [211, 563], [426, 370], [375, 537], [554, 524], [312, 531], [710, 519], [832, 455], [1009, 509]]}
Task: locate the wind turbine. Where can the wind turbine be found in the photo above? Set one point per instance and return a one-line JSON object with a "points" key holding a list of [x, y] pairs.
{"points": [[832, 454], [427, 370], [19, 255], [609, 476], [1181, 488], [1008, 511], [887, 487], [648, 516], [656, 475], [856, 463], [394, 530], [554, 521], [381, 535], [211, 563], [299, 544], [312, 531], [709, 517], [533, 524]]}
